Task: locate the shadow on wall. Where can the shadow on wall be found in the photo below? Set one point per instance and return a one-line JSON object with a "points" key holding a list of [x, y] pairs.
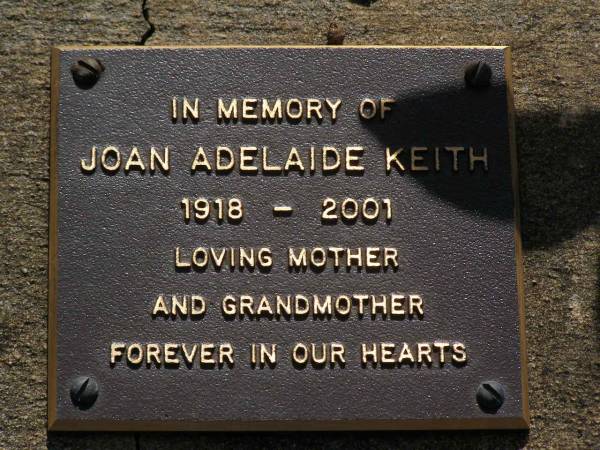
{"points": [[559, 164]]}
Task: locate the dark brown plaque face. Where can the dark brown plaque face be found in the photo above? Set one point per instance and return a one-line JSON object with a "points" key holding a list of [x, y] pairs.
{"points": [[284, 238]]}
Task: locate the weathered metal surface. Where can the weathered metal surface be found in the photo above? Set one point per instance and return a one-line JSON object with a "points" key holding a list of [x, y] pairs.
{"points": [[114, 238]]}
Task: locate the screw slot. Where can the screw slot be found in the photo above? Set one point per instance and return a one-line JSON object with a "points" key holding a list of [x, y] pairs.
{"points": [[86, 72], [84, 392], [490, 396], [478, 75]]}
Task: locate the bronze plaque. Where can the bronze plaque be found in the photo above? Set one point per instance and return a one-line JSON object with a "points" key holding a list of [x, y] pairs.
{"points": [[268, 238]]}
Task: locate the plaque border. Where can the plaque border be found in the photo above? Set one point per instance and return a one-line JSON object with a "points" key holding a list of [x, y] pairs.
{"points": [[54, 424]]}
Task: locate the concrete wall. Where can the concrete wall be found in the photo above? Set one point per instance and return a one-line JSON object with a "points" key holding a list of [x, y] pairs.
{"points": [[556, 50]]}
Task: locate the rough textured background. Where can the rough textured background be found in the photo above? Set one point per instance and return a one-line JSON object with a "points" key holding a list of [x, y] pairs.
{"points": [[556, 50]]}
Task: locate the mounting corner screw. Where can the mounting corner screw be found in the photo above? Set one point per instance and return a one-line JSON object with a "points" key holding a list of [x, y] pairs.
{"points": [[335, 34], [478, 75], [86, 72], [84, 392], [490, 396]]}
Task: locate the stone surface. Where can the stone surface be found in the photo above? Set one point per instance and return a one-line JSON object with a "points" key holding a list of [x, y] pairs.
{"points": [[556, 51]]}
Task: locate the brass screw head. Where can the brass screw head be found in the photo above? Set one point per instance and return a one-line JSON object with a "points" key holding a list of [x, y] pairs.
{"points": [[86, 72], [84, 392], [478, 75], [490, 396]]}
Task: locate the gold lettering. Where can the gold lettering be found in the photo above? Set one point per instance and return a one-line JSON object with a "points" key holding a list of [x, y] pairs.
{"points": [[134, 160], [200, 161], [91, 165], [459, 353], [116, 351], [247, 155], [162, 162], [271, 113], [441, 347], [106, 154], [300, 353], [224, 152], [293, 161], [178, 263], [135, 354], [405, 354], [333, 107], [415, 302], [171, 354], [367, 109], [353, 155], [387, 353], [249, 108], [160, 306], [384, 102], [266, 167], [188, 356], [414, 159], [455, 151], [393, 158], [313, 106], [224, 112], [153, 354], [337, 353], [483, 159], [293, 108], [329, 152], [423, 352], [368, 353], [189, 110]]}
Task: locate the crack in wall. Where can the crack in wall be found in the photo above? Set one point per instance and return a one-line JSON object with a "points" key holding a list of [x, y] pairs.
{"points": [[151, 28]]}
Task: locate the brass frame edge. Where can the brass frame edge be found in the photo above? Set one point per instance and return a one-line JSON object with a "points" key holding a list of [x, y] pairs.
{"points": [[54, 424], [504, 423], [53, 236], [518, 240]]}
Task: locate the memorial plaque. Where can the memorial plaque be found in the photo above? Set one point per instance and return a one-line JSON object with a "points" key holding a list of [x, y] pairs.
{"points": [[268, 238]]}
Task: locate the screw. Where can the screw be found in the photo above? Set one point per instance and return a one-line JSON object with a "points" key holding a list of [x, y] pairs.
{"points": [[490, 396], [335, 34], [86, 72], [478, 74], [84, 392]]}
